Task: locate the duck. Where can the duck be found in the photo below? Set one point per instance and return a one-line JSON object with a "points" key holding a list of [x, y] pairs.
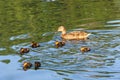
{"points": [[75, 35], [84, 49], [37, 65], [24, 50], [34, 44], [27, 65], [59, 44]]}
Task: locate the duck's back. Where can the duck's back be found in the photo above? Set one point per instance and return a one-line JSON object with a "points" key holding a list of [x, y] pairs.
{"points": [[76, 35]]}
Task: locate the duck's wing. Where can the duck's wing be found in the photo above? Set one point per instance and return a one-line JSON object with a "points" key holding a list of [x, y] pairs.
{"points": [[80, 34], [76, 35], [78, 29]]}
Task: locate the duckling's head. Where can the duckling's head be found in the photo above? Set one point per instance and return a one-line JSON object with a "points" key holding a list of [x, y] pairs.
{"points": [[27, 65], [56, 43], [24, 50], [63, 43], [34, 44], [59, 44], [37, 65], [84, 49]]}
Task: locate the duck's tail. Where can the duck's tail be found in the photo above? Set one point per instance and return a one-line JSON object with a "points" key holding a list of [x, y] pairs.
{"points": [[88, 34]]}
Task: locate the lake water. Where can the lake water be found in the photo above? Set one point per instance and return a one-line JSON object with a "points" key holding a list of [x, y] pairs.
{"points": [[22, 22]]}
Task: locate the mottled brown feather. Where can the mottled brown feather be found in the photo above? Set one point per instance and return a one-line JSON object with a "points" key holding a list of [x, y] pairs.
{"points": [[75, 35]]}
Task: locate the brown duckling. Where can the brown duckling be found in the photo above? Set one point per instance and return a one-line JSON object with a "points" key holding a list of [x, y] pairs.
{"points": [[27, 65], [24, 50], [84, 49], [34, 44], [75, 35], [37, 65], [59, 44]]}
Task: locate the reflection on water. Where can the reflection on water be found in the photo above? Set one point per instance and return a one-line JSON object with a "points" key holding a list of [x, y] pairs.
{"points": [[1, 49], [22, 22], [25, 36], [114, 23]]}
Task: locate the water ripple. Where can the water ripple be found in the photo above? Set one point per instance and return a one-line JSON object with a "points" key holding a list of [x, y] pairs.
{"points": [[68, 62]]}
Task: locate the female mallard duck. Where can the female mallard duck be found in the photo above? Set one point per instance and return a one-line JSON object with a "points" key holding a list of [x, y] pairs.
{"points": [[26, 65], [75, 35], [59, 44], [37, 65], [24, 50], [34, 44], [84, 49]]}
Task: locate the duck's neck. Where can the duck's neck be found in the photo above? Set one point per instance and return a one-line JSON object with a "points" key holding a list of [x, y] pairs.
{"points": [[63, 32]]}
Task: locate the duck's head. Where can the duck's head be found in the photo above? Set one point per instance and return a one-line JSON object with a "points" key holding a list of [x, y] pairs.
{"points": [[61, 28]]}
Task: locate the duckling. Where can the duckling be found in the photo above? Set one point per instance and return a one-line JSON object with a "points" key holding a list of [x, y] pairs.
{"points": [[75, 35], [34, 44], [59, 44], [26, 65], [24, 50], [84, 49], [37, 65]]}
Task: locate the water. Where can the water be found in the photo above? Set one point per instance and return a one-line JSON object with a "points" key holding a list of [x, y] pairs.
{"points": [[68, 63], [38, 21]]}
